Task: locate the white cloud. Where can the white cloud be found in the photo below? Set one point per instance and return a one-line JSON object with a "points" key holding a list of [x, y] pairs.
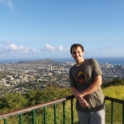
{"points": [[104, 38], [7, 2], [108, 48], [16, 49], [34, 50], [1, 1], [48, 47], [12, 47], [59, 48], [109, 39]]}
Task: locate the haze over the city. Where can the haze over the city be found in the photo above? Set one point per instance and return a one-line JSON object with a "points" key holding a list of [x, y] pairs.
{"points": [[47, 28]]}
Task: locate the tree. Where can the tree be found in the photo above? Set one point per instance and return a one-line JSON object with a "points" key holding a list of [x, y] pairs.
{"points": [[13, 102]]}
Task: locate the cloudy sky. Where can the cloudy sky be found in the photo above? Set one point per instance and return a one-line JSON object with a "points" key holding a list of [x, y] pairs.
{"points": [[47, 28]]}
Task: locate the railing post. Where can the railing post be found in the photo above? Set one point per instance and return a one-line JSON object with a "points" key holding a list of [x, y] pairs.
{"points": [[112, 112], [20, 119], [72, 111], [64, 119], [54, 113], [44, 115], [5, 121], [34, 117], [123, 113]]}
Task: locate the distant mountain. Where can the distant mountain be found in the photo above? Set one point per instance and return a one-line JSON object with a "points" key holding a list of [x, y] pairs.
{"points": [[45, 61]]}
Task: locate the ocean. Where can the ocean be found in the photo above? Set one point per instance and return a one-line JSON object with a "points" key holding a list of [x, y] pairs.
{"points": [[113, 61]]}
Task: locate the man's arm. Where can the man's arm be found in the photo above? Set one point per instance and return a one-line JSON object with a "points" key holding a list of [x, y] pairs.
{"points": [[93, 87], [81, 100], [75, 92]]}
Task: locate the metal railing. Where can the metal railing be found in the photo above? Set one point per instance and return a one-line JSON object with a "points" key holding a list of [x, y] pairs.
{"points": [[21, 113], [113, 101]]}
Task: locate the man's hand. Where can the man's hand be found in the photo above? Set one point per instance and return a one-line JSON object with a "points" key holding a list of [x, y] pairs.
{"points": [[83, 102], [76, 94]]}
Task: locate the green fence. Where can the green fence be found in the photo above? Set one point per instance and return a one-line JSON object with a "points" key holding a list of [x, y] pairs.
{"points": [[33, 112]]}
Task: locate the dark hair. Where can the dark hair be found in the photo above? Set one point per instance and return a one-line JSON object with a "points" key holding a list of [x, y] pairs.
{"points": [[76, 45]]}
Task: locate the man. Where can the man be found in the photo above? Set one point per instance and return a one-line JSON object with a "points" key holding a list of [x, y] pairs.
{"points": [[86, 80]]}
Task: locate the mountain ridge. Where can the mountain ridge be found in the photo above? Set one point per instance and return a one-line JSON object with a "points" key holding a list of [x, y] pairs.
{"points": [[44, 61]]}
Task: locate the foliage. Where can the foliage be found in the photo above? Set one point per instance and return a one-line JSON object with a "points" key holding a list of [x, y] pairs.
{"points": [[16, 101], [114, 91], [12, 102], [114, 82], [49, 93]]}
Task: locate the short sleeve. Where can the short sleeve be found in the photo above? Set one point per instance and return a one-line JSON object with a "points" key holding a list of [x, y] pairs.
{"points": [[71, 78], [96, 68]]}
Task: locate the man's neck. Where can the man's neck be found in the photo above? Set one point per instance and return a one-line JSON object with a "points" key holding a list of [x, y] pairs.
{"points": [[78, 63]]}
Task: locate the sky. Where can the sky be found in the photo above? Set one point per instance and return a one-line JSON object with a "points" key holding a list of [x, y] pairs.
{"points": [[47, 28]]}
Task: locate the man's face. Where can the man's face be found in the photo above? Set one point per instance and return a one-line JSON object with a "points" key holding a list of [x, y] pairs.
{"points": [[77, 53]]}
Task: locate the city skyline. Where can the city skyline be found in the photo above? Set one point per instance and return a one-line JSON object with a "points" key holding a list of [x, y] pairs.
{"points": [[47, 29]]}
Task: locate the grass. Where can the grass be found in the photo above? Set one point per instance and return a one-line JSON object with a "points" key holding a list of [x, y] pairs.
{"points": [[115, 92]]}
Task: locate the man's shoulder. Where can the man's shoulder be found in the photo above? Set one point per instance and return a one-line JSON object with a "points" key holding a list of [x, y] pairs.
{"points": [[72, 67], [91, 60]]}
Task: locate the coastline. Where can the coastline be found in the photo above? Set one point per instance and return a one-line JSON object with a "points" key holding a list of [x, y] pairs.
{"points": [[112, 61]]}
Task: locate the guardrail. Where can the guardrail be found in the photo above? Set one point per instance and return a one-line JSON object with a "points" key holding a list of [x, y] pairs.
{"points": [[21, 113]]}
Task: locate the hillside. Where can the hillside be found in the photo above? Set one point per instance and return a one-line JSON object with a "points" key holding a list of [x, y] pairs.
{"points": [[45, 61]]}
